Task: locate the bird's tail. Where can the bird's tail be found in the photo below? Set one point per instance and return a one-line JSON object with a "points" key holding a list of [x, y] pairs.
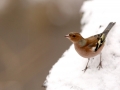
{"points": [[108, 28], [102, 36]]}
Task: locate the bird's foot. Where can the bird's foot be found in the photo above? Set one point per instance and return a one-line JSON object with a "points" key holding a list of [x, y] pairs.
{"points": [[100, 65], [85, 69]]}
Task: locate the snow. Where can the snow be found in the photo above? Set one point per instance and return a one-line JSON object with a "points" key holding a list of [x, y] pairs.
{"points": [[67, 72]]}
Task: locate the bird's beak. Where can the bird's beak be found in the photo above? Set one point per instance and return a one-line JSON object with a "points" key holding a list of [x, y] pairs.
{"points": [[67, 36]]}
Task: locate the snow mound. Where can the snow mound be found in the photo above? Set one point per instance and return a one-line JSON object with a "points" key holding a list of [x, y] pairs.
{"points": [[67, 72]]}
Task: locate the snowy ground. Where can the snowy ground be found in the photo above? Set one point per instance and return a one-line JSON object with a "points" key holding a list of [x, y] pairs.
{"points": [[67, 72]]}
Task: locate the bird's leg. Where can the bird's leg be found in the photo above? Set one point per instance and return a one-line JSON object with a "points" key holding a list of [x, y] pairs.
{"points": [[86, 65], [100, 64]]}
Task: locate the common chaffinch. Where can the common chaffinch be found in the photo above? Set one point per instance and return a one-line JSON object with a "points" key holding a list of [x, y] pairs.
{"points": [[91, 46]]}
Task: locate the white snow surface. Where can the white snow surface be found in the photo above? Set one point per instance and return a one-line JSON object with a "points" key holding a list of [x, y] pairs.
{"points": [[67, 74]]}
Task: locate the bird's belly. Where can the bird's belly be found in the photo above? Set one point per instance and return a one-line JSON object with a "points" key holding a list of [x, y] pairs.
{"points": [[88, 53]]}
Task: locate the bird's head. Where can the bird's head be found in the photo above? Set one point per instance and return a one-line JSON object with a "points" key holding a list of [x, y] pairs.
{"points": [[74, 37]]}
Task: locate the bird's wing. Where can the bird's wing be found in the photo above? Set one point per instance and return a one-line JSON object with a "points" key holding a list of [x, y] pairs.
{"points": [[95, 42]]}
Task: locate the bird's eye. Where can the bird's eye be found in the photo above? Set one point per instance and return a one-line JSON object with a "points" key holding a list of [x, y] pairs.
{"points": [[74, 36]]}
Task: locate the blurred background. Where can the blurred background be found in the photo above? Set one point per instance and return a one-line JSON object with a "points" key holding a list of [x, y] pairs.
{"points": [[32, 39]]}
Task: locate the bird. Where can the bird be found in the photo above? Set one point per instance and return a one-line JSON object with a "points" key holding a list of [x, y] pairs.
{"points": [[91, 46]]}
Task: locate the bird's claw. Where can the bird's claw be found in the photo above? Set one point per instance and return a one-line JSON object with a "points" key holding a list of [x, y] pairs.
{"points": [[99, 66], [85, 69]]}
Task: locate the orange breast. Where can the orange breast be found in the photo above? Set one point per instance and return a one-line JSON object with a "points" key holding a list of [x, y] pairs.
{"points": [[87, 52]]}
